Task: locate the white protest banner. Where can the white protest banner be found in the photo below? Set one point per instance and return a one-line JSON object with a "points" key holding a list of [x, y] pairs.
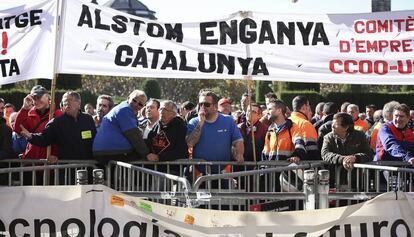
{"points": [[372, 48], [27, 39], [99, 211]]}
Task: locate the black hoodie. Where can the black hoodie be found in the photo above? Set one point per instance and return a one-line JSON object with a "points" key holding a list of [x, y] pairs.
{"points": [[168, 141]]}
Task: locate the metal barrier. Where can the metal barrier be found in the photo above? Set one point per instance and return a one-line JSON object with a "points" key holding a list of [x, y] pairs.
{"points": [[274, 185], [39, 172], [368, 180], [131, 178], [238, 186]]}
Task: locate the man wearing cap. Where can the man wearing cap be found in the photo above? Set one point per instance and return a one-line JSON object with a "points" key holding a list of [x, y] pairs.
{"points": [[224, 106], [73, 132], [34, 115]]}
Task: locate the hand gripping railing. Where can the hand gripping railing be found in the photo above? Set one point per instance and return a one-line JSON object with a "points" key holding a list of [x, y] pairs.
{"points": [[368, 180]]}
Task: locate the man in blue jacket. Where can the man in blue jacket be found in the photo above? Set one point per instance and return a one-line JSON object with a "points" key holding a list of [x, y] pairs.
{"points": [[395, 139]]}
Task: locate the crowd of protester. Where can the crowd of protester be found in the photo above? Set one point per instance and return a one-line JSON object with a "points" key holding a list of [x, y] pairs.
{"points": [[142, 128]]}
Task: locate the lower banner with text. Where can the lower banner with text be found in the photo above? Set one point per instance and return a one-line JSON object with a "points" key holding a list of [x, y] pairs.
{"points": [[100, 211]]}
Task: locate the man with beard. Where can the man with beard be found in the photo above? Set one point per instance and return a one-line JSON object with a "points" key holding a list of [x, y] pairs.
{"points": [[283, 139], [34, 115], [212, 134], [104, 104]]}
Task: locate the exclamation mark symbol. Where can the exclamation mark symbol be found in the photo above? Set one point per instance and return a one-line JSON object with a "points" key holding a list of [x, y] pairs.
{"points": [[4, 43]]}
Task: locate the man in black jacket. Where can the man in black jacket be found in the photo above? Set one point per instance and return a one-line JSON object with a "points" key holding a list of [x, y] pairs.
{"points": [[324, 126], [6, 151], [166, 140]]}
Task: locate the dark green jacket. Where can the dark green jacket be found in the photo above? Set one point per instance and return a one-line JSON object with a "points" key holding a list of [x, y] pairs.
{"points": [[333, 151]]}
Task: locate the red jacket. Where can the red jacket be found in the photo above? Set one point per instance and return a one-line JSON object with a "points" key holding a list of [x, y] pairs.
{"points": [[394, 143], [34, 123]]}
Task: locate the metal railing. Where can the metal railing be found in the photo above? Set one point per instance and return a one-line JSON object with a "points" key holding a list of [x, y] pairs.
{"points": [[225, 185], [229, 190], [368, 180], [18, 172]]}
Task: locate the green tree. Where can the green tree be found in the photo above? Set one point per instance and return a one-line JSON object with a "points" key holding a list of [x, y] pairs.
{"points": [[152, 88], [352, 88], [8, 86], [262, 88], [292, 86], [69, 81], [46, 83], [406, 88]]}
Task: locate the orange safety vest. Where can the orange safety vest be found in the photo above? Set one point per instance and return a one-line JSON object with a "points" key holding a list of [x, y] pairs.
{"points": [[309, 134], [280, 145], [374, 134], [361, 125]]}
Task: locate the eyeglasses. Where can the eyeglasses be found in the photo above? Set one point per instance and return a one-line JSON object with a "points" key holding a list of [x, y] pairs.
{"points": [[205, 104], [137, 102]]}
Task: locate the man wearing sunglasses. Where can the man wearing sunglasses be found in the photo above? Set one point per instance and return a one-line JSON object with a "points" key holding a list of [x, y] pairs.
{"points": [[212, 135], [119, 137]]}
